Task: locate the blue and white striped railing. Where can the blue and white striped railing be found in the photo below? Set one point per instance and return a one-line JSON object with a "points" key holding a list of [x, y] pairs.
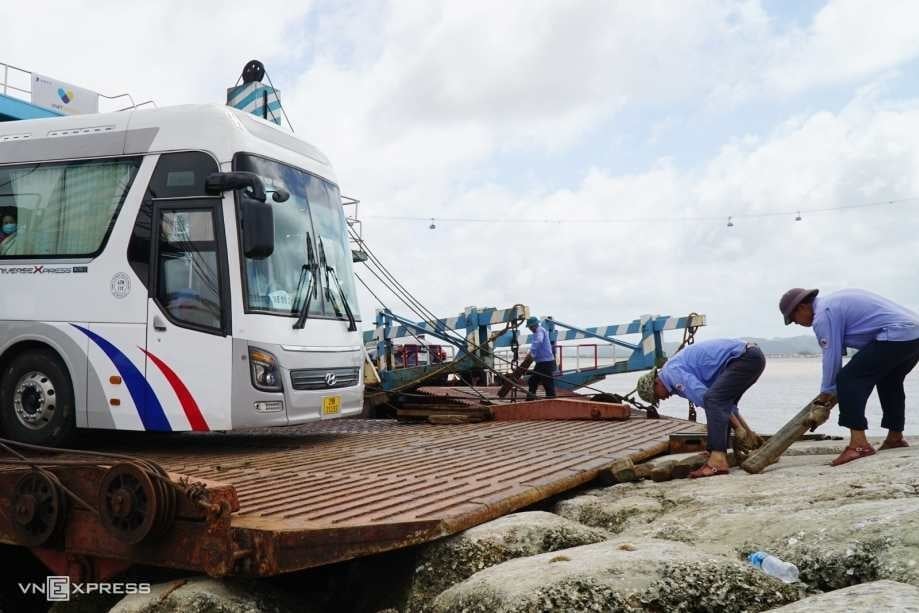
{"points": [[461, 323], [661, 323]]}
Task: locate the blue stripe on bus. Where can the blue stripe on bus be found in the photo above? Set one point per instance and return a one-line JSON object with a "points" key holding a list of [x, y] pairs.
{"points": [[148, 405]]}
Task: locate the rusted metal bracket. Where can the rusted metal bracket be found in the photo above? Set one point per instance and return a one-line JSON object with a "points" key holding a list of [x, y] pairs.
{"points": [[92, 516]]}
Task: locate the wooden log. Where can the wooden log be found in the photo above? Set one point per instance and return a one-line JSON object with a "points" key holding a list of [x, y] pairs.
{"points": [[623, 470], [643, 471], [515, 376], [663, 471], [807, 418], [685, 466]]}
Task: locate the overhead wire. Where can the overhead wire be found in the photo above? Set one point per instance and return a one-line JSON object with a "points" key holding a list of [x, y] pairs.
{"points": [[426, 314], [795, 213], [419, 309], [444, 368]]}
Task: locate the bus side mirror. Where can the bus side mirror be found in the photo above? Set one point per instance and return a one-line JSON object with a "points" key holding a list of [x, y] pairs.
{"points": [[257, 221], [219, 182]]}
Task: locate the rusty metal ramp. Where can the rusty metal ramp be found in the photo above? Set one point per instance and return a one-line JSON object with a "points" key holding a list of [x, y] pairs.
{"points": [[330, 491]]}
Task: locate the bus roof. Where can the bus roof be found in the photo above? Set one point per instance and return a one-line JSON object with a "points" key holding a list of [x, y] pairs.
{"points": [[221, 130]]}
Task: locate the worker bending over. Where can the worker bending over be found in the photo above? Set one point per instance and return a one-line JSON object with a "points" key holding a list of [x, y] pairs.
{"points": [[713, 374], [544, 357], [887, 338]]}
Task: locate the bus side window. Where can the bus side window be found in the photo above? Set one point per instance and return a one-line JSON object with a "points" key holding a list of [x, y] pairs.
{"points": [[188, 280], [177, 175]]}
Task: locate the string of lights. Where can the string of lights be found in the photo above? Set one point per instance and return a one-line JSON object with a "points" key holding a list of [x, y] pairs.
{"points": [[795, 214]]}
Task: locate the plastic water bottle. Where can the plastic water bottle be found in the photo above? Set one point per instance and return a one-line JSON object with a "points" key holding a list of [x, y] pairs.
{"points": [[774, 567]]}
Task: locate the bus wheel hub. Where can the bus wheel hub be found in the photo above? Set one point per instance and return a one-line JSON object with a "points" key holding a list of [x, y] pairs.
{"points": [[33, 400]]}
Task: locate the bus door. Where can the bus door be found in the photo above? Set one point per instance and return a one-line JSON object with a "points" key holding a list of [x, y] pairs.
{"points": [[188, 341]]}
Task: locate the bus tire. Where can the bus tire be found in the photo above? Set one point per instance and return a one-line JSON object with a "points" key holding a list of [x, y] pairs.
{"points": [[37, 399]]}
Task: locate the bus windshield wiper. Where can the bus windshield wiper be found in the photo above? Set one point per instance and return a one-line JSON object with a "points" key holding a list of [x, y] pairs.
{"points": [[309, 267], [344, 300], [329, 269]]}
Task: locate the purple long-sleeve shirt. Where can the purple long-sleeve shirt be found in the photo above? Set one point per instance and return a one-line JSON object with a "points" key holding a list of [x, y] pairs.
{"points": [[693, 370], [541, 347], [854, 318]]}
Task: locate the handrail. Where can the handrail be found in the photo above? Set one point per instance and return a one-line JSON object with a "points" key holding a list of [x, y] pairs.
{"points": [[6, 87], [6, 79]]}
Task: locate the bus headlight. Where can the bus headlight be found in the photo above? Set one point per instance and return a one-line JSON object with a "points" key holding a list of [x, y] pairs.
{"points": [[266, 375]]}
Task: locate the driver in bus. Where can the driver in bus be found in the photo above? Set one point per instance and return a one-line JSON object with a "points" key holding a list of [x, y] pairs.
{"points": [[8, 227]]}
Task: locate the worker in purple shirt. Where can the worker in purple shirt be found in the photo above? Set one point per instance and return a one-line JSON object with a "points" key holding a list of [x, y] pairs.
{"points": [[544, 357], [713, 374], [887, 338]]}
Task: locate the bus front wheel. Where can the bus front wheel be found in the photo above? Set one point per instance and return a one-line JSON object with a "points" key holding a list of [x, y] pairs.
{"points": [[36, 399]]}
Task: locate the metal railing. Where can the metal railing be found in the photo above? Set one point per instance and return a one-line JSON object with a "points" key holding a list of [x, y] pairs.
{"points": [[24, 76], [407, 356], [583, 356], [6, 87]]}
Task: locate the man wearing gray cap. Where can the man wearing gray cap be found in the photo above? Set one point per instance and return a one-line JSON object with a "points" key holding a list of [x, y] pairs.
{"points": [[714, 375], [886, 336]]}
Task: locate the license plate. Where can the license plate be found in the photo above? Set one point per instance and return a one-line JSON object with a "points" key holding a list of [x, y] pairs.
{"points": [[331, 405]]}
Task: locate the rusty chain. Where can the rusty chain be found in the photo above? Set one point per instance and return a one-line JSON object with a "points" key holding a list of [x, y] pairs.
{"points": [[689, 337]]}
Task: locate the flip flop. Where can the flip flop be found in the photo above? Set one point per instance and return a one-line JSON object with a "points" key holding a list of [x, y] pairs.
{"points": [[893, 445], [707, 470], [853, 453]]}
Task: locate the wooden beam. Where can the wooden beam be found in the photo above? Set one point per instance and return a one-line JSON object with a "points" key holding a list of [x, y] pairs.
{"points": [[807, 418]]}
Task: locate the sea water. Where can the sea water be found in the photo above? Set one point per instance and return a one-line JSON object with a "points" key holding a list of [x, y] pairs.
{"points": [[784, 388]]}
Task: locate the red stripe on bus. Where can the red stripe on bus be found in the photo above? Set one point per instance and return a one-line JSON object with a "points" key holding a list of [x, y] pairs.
{"points": [[192, 412]]}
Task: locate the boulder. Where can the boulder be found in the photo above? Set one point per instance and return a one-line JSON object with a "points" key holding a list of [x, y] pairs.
{"points": [[887, 596], [840, 525], [618, 575], [453, 559], [613, 508], [210, 595]]}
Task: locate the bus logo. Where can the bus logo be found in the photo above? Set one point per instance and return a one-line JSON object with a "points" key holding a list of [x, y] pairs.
{"points": [[121, 285], [330, 379], [66, 95]]}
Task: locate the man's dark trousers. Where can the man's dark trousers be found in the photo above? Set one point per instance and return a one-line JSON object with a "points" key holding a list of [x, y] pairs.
{"points": [[881, 364], [738, 376], [543, 374]]}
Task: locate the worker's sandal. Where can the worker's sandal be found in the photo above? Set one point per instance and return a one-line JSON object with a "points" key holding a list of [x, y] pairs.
{"points": [[853, 453], [893, 444], [707, 470]]}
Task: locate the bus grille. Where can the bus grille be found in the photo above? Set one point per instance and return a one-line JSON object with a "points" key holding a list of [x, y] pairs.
{"points": [[324, 378]]}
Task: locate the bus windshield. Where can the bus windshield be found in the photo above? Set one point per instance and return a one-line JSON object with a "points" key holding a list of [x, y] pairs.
{"points": [[311, 218]]}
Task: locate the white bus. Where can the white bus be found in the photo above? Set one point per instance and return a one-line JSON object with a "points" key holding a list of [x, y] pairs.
{"points": [[184, 268]]}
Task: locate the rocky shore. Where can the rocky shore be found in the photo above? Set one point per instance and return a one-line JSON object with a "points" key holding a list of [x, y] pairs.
{"points": [[853, 531]]}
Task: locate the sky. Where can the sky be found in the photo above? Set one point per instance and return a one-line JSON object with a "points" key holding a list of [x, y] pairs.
{"points": [[602, 145]]}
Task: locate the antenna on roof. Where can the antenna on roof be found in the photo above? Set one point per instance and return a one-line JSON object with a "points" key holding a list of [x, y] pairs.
{"points": [[255, 97]]}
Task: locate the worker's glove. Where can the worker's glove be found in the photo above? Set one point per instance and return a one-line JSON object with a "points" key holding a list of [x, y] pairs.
{"points": [[819, 413], [748, 439]]}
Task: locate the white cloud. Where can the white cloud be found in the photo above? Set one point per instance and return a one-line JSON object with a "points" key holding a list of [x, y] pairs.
{"points": [[416, 102], [848, 39], [171, 51], [604, 273]]}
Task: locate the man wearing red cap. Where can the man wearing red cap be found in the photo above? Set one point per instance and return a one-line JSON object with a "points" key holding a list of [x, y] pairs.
{"points": [[886, 336]]}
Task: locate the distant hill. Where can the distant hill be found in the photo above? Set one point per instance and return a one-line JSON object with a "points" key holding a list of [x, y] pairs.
{"points": [[805, 344], [793, 345]]}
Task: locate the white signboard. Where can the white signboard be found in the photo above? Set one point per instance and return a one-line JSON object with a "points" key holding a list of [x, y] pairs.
{"points": [[63, 97]]}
